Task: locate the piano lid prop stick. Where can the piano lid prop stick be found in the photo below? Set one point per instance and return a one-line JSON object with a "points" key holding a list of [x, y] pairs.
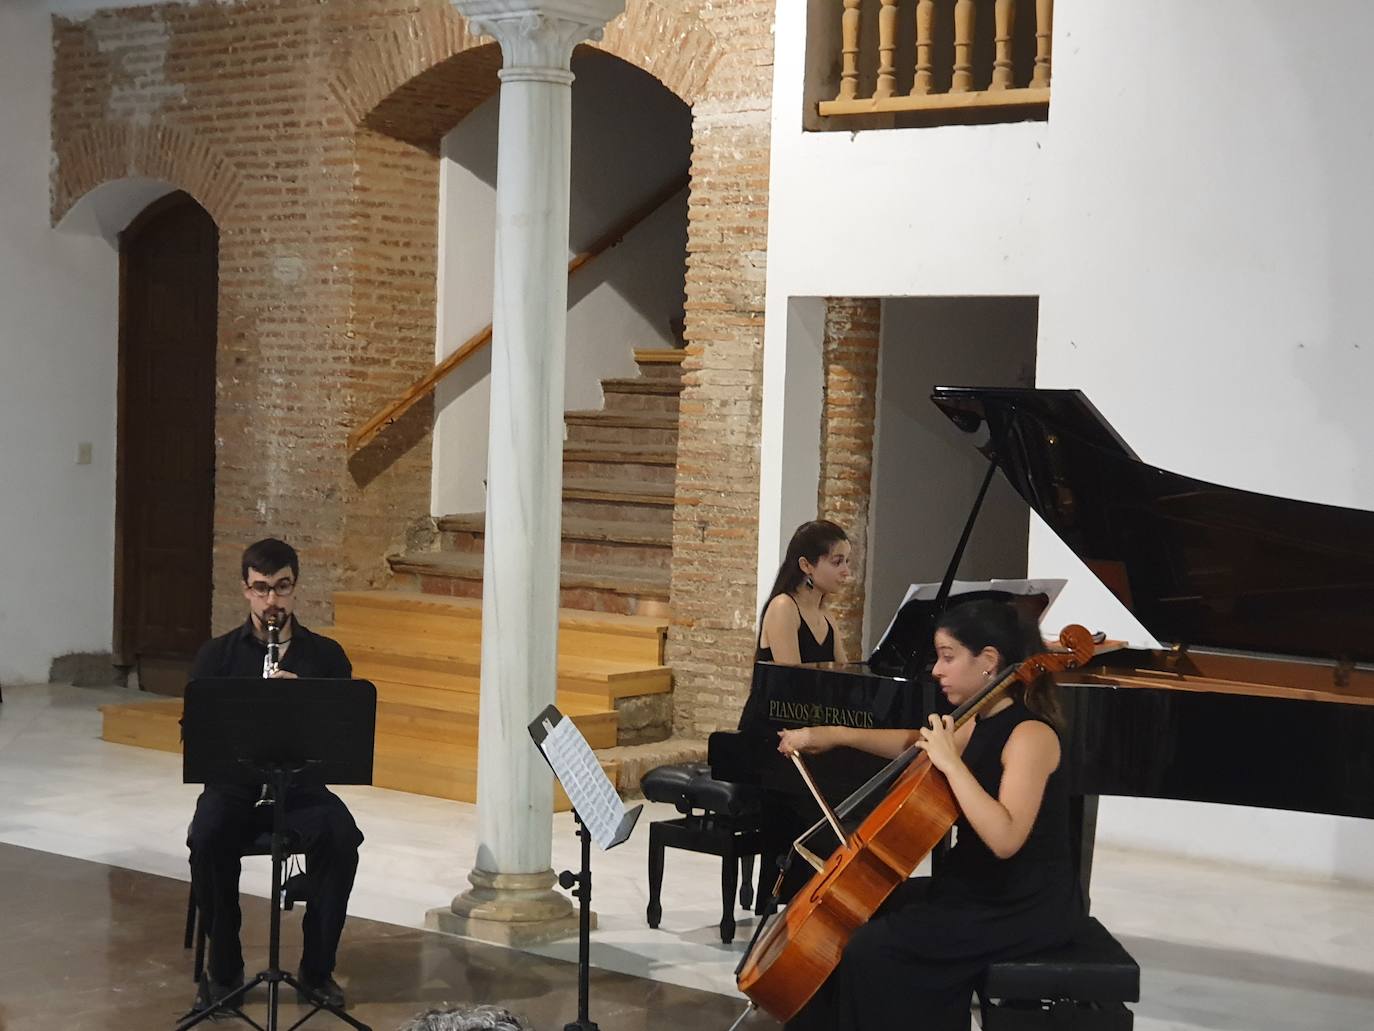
{"points": [[830, 816]]}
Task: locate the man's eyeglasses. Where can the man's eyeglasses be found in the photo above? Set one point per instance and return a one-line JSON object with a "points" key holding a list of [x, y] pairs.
{"points": [[281, 588]]}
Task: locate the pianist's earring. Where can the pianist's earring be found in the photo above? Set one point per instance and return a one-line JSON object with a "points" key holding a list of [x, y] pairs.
{"points": [[987, 672], [810, 584]]}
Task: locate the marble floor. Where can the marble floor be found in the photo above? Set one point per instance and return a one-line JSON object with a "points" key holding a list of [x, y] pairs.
{"points": [[1221, 947]]}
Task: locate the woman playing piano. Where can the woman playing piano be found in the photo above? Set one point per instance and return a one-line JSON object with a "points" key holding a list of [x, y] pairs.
{"points": [[1007, 887], [793, 627]]}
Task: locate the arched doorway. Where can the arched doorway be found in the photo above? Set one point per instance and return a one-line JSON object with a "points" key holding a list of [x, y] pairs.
{"points": [[165, 480]]}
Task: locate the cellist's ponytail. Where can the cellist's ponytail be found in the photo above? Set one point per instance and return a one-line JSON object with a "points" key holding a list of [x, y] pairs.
{"points": [[983, 624]]}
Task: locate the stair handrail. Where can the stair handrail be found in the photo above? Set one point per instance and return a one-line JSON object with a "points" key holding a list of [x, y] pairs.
{"points": [[397, 407]]}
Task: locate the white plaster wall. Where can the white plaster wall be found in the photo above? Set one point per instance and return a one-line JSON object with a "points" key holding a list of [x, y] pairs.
{"points": [[1195, 220], [630, 138], [925, 474], [58, 353]]}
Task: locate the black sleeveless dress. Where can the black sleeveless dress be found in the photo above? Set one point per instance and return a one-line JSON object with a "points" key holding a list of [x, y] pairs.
{"points": [[808, 648], [915, 963]]}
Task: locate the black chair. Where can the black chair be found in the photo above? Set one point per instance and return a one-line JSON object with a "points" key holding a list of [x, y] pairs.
{"points": [[1081, 986], [293, 891], [727, 825]]}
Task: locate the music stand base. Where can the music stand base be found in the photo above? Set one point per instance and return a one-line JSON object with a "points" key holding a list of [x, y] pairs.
{"points": [[274, 979]]}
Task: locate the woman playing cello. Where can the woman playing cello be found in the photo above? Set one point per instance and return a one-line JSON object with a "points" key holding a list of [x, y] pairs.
{"points": [[1007, 887]]}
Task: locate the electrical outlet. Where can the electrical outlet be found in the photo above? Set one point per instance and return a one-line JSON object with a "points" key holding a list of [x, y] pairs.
{"points": [[83, 453]]}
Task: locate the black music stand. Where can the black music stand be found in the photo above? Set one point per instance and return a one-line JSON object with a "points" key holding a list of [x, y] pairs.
{"points": [[585, 784], [286, 733]]}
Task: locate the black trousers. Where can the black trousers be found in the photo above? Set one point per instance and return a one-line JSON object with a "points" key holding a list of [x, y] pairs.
{"points": [[225, 823]]}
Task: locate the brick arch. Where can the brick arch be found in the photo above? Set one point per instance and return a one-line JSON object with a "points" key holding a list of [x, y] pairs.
{"points": [[417, 81], [105, 153]]}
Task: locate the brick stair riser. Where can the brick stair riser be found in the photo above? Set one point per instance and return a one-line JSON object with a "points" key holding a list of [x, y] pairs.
{"points": [[598, 433], [636, 402], [660, 516], [637, 556], [660, 372], [612, 469]]}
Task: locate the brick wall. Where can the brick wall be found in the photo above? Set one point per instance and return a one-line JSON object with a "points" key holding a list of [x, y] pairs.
{"points": [[848, 413], [309, 130]]}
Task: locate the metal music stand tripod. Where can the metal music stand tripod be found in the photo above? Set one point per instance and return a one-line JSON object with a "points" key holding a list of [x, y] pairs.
{"points": [[286, 733]]}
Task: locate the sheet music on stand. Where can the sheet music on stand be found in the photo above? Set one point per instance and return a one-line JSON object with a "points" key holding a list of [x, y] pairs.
{"points": [[1050, 588], [588, 788]]}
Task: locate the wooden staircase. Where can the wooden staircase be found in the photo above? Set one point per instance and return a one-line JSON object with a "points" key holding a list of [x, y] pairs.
{"points": [[422, 654], [619, 468]]}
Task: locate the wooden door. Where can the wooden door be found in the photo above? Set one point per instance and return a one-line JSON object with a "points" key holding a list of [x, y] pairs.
{"points": [[169, 275]]}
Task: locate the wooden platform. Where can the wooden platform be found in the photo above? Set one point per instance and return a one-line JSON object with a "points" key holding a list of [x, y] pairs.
{"points": [[422, 652]]}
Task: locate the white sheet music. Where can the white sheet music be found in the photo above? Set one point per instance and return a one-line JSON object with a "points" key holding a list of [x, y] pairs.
{"points": [[928, 592], [589, 789]]}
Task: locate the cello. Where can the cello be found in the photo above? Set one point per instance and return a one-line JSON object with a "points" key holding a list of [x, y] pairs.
{"points": [[790, 960]]}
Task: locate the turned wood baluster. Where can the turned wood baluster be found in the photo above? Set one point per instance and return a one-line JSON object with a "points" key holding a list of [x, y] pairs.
{"points": [[963, 47], [849, 29], [925, 27], [1044, 18], [887, 49], [1001, 68]]}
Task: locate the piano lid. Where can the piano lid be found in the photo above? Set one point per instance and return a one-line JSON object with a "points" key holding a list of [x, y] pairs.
{"points": [[1195, 562]]}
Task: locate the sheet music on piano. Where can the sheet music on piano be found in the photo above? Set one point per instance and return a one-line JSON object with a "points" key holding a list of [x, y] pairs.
{"points": [[1050, 588]]}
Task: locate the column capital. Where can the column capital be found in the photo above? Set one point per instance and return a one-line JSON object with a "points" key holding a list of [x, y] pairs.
{"points": [[537, 37]]}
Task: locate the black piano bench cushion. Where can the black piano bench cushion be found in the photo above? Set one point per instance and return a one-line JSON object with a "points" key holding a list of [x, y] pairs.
{"points": [[1091, 968], [690, 786]]}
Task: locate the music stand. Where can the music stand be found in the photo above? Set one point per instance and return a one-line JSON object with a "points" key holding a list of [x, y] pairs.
{"points": [[286, 733], [591, 792]]}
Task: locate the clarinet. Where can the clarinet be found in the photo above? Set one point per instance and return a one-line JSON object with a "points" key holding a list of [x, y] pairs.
{"points": [[270, 664]]}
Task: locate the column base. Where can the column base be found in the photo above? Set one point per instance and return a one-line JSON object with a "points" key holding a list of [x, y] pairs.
{"points": [[508, 909]]}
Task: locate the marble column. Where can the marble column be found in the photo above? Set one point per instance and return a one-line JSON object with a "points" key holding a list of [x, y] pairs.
{"points": [[512, 898]]}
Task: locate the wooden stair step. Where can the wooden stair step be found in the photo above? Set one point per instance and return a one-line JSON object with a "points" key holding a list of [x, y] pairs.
{"points": [[600, 531], [440, 729], [459, 565], [637, 639], [660, 355], [143, 724]]}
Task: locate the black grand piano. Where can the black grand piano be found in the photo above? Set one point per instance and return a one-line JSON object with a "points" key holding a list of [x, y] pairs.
{"points": [[1263, 694]]}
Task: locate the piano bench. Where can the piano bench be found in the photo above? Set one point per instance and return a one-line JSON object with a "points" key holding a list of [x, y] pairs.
{"points": [[719, 819], [1081, 986]]}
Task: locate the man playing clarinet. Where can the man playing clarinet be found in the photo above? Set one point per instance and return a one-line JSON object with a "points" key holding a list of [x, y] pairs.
{"points": [[271, 643]]}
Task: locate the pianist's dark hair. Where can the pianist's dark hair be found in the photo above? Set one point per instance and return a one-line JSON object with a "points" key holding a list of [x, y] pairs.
{"points": [[811, 541], [982, 624], [268, 555]]}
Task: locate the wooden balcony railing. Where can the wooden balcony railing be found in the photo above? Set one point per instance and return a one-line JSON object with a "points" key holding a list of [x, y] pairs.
{"points": [[942, 55], [398, 406]]}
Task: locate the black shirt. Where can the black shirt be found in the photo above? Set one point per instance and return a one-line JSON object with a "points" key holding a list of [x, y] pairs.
{"points": [[240, 654]]}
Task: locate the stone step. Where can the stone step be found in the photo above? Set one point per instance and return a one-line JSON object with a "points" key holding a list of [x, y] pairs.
{"points": [[632, 428], [646, 463], [643, 544], [592, 587], [608, 635], [634, 760], [618, 500]]}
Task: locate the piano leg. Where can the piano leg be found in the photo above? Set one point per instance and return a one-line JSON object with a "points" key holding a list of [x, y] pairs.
{"points": [[729, 884], [746, 887], [654, 913], [1083, 831]]}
